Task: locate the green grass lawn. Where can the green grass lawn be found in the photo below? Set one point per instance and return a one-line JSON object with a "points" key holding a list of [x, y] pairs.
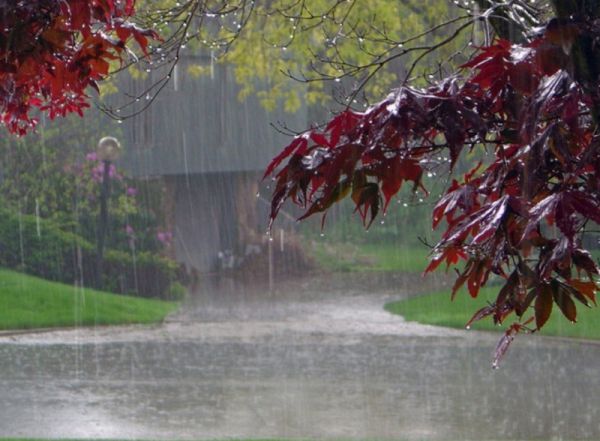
{"points": [[31, 302], [351, 257], [437, 309]]}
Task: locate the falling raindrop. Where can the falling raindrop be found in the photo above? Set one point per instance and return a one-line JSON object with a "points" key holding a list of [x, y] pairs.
{"points": [[38, 228]]}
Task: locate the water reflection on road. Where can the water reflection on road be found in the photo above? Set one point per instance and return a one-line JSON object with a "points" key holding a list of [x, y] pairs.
{"points": [[316, 359]]}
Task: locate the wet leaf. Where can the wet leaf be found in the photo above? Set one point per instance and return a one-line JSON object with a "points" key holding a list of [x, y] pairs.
{"points": [[522, 307], [297, 146], [584, 290], [543, 305], [563, 299], [480, 314]]}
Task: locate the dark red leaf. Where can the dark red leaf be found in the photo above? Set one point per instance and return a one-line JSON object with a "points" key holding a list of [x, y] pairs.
{"points": [[586, 204], [319, 139], [450, 254], [543, 304], [521, 307], [583, 260], [395, 173], [506, 293], [344, 123], [544, 209], [506, 340], [480, 314], [585, 289], [297, 146], [563, 299]]}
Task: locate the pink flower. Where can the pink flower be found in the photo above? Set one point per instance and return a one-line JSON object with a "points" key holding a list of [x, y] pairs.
{"points": [[131, 191], [92, 156], [113, 173], [165, 237], [98, 173]]}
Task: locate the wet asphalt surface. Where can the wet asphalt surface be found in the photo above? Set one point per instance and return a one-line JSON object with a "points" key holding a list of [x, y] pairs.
{"points": [[313, 359]]}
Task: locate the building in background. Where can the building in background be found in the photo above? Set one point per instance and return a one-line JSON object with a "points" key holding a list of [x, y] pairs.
{"points": [[210, 149]]}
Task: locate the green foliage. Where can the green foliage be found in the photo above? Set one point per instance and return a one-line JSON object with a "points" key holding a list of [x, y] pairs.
{"points": [[145, 274], [322, 39], [362, 257], [37, 169], [37, 246], [53, 174], [176, 291], [394, 244], [30, 302]]}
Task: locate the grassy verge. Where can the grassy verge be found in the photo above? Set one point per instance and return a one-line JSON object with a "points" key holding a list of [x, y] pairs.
{"points": [[437, 309], [31, 302], [352, 257]]}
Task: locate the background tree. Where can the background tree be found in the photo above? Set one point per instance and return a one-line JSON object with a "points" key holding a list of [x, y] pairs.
{"points": [[53, 52], [269, 45], [529, 100]]}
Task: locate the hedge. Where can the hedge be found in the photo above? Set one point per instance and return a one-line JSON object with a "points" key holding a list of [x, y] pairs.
{"points": [[38, 247]]}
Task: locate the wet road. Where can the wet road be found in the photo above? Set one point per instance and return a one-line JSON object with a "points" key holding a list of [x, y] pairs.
{"points": [[316, 359]]}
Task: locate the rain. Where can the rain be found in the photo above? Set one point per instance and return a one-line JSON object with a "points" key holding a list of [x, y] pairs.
{"points": [[148, 293]]}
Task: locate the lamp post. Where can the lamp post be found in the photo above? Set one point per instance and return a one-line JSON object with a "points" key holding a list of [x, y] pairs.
{"points": [[108, 151]]}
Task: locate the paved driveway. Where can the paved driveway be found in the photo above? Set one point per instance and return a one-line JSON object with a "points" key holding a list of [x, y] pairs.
{"points": [[314, 359]]}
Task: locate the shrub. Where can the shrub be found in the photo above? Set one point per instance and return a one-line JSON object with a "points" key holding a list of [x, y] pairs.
{"points": [[37, 246], [144, 274]]}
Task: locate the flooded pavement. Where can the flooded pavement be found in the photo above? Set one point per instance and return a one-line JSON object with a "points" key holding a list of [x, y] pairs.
{"points": [[313, 359]]}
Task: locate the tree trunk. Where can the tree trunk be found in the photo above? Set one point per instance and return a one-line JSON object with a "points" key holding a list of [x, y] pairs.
{"points": [[503, 25], [585, 56]]}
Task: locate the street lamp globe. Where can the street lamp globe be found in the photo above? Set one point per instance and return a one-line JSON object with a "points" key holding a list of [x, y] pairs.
{"points": [[109, 149]]}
